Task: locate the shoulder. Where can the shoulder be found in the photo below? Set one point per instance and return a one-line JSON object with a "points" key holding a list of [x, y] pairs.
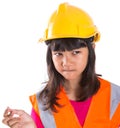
{"points": [[109, 83], [115, 91], [114, 88], [42, 86], [34, 97]]}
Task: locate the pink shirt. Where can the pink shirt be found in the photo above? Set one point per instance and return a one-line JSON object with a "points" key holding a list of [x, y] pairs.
{"points": [[80, 108], [36, 119]]}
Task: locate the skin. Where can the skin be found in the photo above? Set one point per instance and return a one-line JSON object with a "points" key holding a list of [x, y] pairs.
{"points": [[17, 119], [71, 64]]}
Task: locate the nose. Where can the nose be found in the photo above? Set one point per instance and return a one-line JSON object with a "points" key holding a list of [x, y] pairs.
{"points": [[66, 61]]}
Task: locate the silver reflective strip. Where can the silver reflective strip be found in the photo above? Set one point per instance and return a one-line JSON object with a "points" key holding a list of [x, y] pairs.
{"points": [[45, 116], [115, 98]]}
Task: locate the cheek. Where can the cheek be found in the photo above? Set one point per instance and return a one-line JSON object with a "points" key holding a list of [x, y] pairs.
{"points": [[56, 63], [84, 60]]}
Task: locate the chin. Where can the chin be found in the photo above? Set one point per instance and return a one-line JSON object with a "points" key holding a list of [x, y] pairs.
{"points": [[69, 78]]}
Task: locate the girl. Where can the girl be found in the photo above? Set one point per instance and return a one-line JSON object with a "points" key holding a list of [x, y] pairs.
{"points": [[74, 96]]}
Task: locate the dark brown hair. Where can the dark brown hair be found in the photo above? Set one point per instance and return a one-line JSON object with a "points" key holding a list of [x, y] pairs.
{"points": [[89, 83]]}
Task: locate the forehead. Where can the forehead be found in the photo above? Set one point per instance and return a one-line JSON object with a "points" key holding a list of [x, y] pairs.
{"points": [[67, 44], [78, 50]]}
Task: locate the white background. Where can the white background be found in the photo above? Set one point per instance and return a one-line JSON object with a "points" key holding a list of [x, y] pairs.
{"points": [[22, 58]]}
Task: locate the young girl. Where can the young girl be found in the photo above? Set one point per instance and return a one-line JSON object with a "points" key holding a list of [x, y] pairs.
{"points": [[74, 96]]}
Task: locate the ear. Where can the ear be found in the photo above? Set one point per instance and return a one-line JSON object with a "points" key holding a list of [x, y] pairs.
{"points": [[93, 45]]}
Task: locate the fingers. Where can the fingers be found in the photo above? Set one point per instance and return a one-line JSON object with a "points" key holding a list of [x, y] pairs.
{"points": [[15, 118], [8, 112], [13, 112], [18, 112], [10, 118], [11, 122]]}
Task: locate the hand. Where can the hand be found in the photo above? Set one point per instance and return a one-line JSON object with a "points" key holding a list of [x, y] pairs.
{"points": [[17, 119]]}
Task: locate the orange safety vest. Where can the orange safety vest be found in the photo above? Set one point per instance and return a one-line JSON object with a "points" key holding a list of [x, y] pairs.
{"points": [[104, 110]]}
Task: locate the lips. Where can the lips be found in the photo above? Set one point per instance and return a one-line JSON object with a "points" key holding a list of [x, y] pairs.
{"points": [[68, 70]]}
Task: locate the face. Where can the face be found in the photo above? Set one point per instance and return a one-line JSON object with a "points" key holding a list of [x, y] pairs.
{"points": [[70, 64]]}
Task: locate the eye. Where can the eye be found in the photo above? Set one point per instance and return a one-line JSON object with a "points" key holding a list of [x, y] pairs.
{"points": [[57, 53], [75, 52]]}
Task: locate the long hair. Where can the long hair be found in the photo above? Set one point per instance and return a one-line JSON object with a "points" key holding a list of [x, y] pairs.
{"points": [[89, 84]]}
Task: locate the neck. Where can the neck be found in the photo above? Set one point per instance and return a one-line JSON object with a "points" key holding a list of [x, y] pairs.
{"points": [[71, 85], [71, 88]]}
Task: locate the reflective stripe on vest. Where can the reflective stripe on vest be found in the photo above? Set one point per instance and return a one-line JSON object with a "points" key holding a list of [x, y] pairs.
{"points": [[115, 98], [48, 118]]}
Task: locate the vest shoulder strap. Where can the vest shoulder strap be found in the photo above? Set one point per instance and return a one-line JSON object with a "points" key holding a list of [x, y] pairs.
{"points": [[115, 98], [34, 99], [115, 106]]}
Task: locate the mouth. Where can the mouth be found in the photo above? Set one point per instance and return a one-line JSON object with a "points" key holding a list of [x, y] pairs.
{"points": [[68, 70]]}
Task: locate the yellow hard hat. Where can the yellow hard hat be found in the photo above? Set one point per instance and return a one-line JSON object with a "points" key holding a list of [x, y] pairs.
{"points": [[70, 22]]}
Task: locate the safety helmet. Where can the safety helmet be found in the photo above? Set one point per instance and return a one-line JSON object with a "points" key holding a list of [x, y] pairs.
{"points": [[70, 22]]}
